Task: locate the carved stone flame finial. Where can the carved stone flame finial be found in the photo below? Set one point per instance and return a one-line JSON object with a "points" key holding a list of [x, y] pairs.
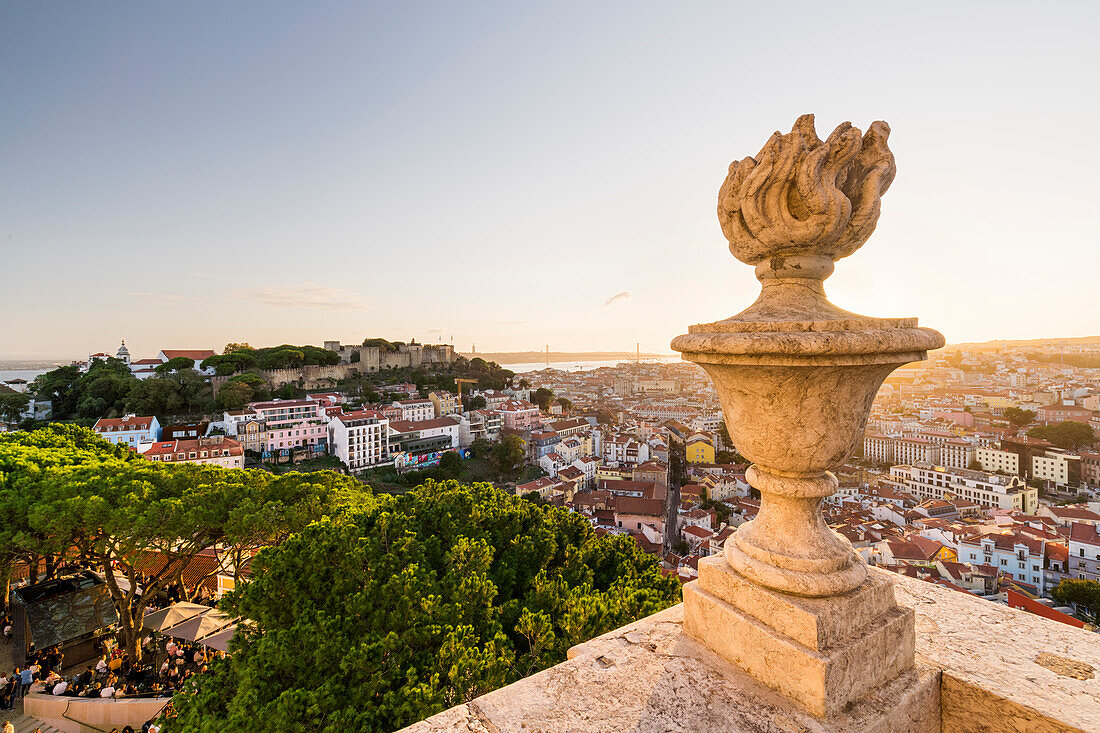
{"points": [[802, 196]]}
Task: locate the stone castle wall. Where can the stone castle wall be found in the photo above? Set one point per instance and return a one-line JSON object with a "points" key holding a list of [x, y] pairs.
{"points": [[310, 377], [374, 359], [371, 359]]}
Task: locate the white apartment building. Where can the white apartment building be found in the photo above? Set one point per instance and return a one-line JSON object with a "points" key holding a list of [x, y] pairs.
{"points": [[360, 439], [661, 411], [624, 450], [926, 481], [422, 430], [415, 410], [129, 430], [557, 466], [938, 437], [1001, 461], [915, 450], [493, 399], [1084, 551], [957, 453], [479, 424], [1061, 469], [285, 412], [1011, 553], [709, 422], [878, 448]]}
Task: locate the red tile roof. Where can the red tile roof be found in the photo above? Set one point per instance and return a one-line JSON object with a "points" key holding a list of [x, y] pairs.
{"points": [[639, 506], [115, 424], [197, 354], [171, 447]]}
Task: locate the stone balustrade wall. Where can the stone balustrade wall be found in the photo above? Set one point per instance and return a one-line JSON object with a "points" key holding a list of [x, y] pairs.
{"points": [[1000, 670]]}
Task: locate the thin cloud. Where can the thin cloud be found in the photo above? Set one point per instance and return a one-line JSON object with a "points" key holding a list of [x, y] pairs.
{"points": [[305, 295], [617, 298]]}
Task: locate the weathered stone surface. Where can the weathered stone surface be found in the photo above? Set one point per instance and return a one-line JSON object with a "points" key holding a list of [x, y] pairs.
{"points": [[815, 623], [992, 680], [800, 194], [649, 677], [822, 681]]}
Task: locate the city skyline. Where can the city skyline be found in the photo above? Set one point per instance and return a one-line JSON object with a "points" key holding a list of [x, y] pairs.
{"points": [[179, 178]]}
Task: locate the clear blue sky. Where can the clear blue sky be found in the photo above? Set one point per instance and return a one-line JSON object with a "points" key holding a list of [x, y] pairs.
{"points": [[186, 174]]}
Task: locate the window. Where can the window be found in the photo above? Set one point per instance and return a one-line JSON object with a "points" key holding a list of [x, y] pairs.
{"points": [[1004, 562]]}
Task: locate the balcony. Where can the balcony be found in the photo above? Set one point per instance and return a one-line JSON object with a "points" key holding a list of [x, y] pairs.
{"points": [[981, 666]]}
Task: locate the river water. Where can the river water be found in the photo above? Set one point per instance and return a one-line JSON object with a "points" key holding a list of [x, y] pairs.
{"points": [[582, 366], [28, 374]]}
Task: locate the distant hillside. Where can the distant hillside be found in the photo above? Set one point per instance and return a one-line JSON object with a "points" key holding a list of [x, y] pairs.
{"points": [[20, 364], [526, 357], [1050, 342]]}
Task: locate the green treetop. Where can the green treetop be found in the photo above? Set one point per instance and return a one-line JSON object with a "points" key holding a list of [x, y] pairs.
{"points": [[420, 602]]}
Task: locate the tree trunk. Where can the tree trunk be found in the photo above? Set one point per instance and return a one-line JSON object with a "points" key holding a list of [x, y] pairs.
{"points": [[124, 603], [5, 578]]}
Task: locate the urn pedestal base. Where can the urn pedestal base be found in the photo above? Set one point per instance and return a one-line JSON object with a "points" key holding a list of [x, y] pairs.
{"points": [[822, 653]]}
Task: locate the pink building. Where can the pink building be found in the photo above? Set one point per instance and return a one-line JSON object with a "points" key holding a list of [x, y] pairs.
{"points": [[959, 417], [293, 423], [518, 415], [294, 435]]}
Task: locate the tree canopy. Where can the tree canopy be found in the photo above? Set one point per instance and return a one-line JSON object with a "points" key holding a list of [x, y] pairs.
{"points": [[1084, 594], [99, 392], [1018, 418], [419, 602], [175, 364], [1069, 434], [182, 392], [508, 455], [109, 389], [542, 397], [67, 496], [238, 357], [12, 406]]}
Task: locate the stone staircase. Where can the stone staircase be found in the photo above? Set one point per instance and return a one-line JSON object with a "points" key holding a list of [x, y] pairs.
{"points": [[25, 723]]}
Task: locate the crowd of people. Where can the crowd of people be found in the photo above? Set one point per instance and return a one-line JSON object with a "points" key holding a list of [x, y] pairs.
{"points": [[165, 667], [39, 665], [115, 675]]}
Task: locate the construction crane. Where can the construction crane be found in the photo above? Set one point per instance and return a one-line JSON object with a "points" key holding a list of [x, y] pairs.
{"points": [[458, 383]]}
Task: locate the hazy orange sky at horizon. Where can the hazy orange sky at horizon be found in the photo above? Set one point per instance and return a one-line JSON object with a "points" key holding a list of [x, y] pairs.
{"points": [[520, 174]]}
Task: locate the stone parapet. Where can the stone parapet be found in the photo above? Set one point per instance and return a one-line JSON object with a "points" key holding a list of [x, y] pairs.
{"points": [[1003, 669], [92, 714], [984, 666]]}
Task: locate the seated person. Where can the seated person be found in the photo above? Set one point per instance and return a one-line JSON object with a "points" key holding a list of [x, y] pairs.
{"points": [[86, 676]]}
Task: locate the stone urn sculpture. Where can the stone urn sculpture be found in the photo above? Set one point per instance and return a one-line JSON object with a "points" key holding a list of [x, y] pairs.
{"points": [[796, 376]]}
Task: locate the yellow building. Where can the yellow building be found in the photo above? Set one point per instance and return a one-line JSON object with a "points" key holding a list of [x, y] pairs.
{"points": [[606, 473], [699, 450]]}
